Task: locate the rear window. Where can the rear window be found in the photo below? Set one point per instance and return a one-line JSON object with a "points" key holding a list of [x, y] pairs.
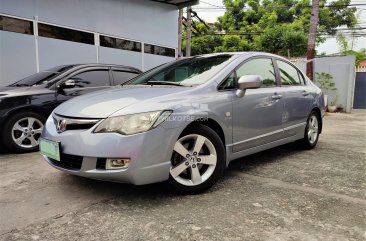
{"points": [[39, 78]]}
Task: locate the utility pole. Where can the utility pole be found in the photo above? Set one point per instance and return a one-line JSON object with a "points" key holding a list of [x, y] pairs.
{"points": [[312, 38], [189, 31], [180, 19]]}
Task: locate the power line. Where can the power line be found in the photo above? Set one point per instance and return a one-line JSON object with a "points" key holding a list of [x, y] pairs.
{"points": [[211, 4]]}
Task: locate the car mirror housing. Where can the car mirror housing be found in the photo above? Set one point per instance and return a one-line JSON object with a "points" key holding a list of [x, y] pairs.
{"points": [[248, 82], [68, 84]]}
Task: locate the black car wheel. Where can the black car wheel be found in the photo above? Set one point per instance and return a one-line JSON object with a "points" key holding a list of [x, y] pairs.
{"points": [[311, 134], [198, 160], [22, 131]]}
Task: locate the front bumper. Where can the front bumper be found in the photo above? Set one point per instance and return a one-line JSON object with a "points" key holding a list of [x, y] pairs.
{"points": [[149, 153]]}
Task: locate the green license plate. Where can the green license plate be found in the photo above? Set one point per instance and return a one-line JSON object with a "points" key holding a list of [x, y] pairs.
{"points": [[49, 148]]}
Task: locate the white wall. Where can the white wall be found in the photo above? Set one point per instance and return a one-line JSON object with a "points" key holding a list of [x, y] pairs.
{"points": [[53, 52], [342, 69], [119, 56], [17, 57], [151, 60], [139, 20]]}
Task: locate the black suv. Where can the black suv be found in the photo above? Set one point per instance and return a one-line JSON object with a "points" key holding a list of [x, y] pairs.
{"points": [[26, 104]]}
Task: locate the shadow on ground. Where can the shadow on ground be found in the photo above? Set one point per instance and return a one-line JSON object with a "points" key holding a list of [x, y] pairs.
{"points": [[3, 151], [160, 190]]}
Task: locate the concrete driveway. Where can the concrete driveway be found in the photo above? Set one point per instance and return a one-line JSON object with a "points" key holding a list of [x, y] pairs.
{"points": [[282, 194]]}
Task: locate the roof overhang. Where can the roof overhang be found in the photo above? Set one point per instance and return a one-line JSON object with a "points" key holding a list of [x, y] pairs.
{"points": [[179, 3]]}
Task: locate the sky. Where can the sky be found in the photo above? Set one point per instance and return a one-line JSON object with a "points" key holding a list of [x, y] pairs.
{"points": [[330, 46]]}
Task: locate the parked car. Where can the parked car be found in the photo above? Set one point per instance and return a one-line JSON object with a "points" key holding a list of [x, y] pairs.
{"points": [[184, 121], [26, 104]]}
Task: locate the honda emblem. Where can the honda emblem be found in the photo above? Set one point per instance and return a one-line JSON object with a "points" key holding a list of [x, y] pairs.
{"points": [[61, 126]]}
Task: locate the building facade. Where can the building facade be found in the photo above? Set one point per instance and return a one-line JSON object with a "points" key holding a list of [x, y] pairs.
{"points": [[36, 35]]}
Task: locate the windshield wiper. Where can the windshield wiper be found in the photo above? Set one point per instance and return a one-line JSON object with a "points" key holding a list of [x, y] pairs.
{"points": [[20, 85], [154, 82]]}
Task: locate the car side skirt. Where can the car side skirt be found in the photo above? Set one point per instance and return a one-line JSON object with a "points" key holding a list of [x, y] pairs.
{"points": [[267, 146]]}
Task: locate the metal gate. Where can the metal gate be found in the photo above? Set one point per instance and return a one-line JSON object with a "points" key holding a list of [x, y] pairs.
{"points": [[359, 101]]}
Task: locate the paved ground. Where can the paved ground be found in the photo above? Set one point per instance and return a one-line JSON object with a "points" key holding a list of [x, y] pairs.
{"points": [[281, 194]]}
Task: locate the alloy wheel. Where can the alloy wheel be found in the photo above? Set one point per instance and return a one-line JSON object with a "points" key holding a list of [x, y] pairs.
{"points": [[26, 132], [194, 160], [313, 129]]}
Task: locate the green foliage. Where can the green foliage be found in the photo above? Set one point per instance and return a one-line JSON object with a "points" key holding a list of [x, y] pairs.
{"points": [[276, 26], [233, 43], [360, 55], [283, 38], [343, 42], [325, 82], [346, 50]]}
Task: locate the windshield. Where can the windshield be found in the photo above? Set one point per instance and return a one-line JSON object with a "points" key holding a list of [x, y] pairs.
{"points": [[185, 72], [42, 77]]}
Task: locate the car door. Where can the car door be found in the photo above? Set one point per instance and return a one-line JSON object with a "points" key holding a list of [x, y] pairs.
{"points": [[257, 116], [297, 101], [86, 81], [121, 76]]}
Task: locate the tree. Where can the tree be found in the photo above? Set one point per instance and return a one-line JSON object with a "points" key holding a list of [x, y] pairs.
{"points": [[276, 26], [310, 54], [347, 48], [360, 55]]}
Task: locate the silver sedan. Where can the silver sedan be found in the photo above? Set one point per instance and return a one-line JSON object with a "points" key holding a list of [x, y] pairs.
{"points": [[184, 121]]}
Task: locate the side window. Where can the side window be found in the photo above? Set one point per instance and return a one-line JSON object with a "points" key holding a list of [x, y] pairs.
{"points": [[121, 77], [263, 67], [289, 74], [92, 78], [229, 83]]}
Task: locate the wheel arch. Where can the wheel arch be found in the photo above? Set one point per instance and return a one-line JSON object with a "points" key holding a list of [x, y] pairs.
{"points": [[12, 112], [211, 123]]}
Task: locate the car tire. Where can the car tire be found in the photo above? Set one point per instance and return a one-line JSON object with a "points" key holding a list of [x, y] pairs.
{"points": [[311, 135], [22, 131], [198, 160]]}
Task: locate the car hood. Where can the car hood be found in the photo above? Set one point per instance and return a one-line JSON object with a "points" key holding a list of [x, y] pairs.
{"points": [[104, 103], [11, 91]]}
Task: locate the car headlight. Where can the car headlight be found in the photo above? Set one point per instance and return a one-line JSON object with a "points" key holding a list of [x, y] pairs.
{"points": [[133, 124]]}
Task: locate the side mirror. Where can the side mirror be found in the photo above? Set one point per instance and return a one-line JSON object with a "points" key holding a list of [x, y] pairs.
{"points": [[248, 82], [68, 84]]}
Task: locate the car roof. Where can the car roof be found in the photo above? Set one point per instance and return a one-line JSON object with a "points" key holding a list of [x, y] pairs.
{"points": [[87, 65], [248, 54]]}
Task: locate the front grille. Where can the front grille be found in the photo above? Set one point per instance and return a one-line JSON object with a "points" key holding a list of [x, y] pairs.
{"points": [[64, 123], [67, 161], [79, 126]]}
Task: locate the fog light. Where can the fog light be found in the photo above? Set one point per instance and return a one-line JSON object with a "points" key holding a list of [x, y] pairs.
{"points": [[112, 164]]}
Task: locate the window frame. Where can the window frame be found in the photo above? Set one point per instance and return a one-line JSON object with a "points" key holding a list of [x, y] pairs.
{"points": [[115, 38], [300, 74], [83, 70], [275, 67], [153, 52], [32, 32], [67, 28]]}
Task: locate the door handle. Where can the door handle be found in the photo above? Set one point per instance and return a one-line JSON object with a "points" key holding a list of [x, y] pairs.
{"points": [[276, 97], [305, 93]]}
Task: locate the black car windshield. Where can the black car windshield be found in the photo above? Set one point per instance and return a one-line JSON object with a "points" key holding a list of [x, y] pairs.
{"points": [[42, 77], [184, 72]]}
